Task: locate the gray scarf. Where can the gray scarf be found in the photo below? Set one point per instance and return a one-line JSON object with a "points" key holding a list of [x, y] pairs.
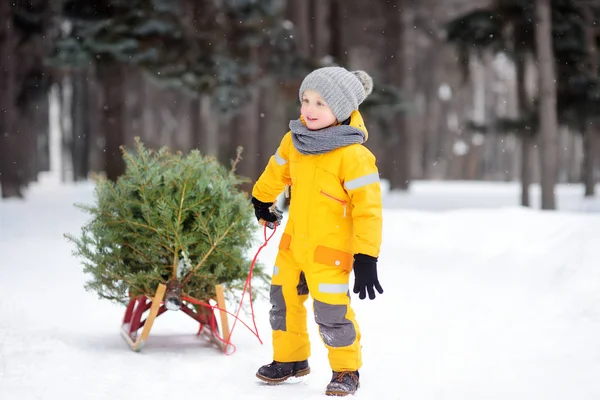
{"points": [[323, 140]]}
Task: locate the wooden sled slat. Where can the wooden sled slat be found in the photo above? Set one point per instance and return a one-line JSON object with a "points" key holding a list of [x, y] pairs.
{"points": [[138, 344], [223, 314]]}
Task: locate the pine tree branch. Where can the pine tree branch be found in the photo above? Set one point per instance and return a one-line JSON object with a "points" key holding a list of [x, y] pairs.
{"points": [[138, 174], [205, 227], [209, 252], [238, 158], [176, 255], [126, 222], [195, 205], [231, 256], [142, 255], [120, 203]]}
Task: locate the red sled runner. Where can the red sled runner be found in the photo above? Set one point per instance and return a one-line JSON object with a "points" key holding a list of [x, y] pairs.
{"points": [[135, 328]]}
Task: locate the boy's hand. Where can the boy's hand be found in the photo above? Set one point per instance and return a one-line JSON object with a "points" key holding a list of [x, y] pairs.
{"points": [[267, 215], [365, 276]]}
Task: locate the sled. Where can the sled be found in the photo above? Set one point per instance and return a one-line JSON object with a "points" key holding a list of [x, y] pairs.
{"points": [[135, 329]]}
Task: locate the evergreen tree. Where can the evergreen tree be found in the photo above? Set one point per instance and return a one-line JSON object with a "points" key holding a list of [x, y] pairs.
{"points": [[201, 46], [24, 83], [172, 219], [509, 26]]}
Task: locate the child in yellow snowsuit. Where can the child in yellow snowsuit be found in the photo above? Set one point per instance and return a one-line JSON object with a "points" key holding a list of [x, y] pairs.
{"points": [[334, 227]]}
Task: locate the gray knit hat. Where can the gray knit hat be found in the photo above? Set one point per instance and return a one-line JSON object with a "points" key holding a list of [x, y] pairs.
{"points": [[342, 90]]}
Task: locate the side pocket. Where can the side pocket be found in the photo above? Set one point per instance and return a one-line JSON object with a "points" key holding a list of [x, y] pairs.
{"points": [[286, 240], [333, 257]]}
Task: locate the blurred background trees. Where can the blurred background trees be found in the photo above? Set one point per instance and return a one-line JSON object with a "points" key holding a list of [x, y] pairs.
{"points": [[497, 90]]}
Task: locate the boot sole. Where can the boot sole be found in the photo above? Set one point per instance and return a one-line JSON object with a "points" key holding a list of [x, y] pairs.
{"points": [[338, 393], [302, 372]]}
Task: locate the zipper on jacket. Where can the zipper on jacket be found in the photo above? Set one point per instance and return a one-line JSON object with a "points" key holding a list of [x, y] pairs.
{"points": [[342, 202]]}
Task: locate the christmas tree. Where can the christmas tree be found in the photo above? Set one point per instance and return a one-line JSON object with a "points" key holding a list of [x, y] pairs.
{"points": [[172, 219]]}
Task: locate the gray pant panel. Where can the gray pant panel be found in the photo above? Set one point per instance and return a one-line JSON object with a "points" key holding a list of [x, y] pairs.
{"points": [[278, 308], [302, 285], [335, 329]]}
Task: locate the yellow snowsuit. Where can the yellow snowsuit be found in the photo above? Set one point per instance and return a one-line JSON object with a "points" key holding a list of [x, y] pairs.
{"points": [[335, 212]]}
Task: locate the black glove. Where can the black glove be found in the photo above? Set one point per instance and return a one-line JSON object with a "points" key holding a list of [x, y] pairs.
{"points": [[266, 212], [365, 276]]}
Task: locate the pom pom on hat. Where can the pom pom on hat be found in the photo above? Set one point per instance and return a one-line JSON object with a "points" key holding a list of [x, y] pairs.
{"points": [[366, 80]]}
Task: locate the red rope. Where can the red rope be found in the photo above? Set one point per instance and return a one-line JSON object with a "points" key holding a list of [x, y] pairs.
{"points": [[247, 286]]}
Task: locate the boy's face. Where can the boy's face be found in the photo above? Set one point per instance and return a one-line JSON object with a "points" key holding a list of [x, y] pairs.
{"points": [[315, 111]]}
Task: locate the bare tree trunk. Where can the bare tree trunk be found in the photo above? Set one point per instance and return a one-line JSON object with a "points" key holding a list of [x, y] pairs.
{"points": [[399, 29], [245, 131], [433, 115], [135, 103], [42, 122], [65, 97], [589, 151], [591, 130], [299, 13], [23, 86], [110, 77], [526, 136], [95, 116], [336, 22], [210, 128], [548, 118], [11, 180], [526, 177], [80, 110]]}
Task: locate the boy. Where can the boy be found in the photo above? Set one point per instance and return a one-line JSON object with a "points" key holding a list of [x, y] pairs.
{"points": [[334, 226]]}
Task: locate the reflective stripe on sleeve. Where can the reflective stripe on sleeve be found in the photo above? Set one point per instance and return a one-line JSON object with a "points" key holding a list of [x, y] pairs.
{"points": [[280, 160], [362, 181]]}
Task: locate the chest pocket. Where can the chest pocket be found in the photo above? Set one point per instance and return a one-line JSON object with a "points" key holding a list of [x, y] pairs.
{"points": [[330, 193]]}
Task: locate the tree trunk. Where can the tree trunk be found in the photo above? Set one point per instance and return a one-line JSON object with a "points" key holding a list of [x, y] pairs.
{"points": [[11, 181], [65, 96], [245, 131], [399, 28], [210, 127], [434, 115], [42, 121], [299, 13], [547, 111], [526, 136], [110, 77], [336, 24], [589, 152], [23, 93], [526, 148], [80, 110], [591, 130]]}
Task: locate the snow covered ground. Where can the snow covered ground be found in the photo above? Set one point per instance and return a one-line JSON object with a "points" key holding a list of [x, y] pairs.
{"points": [[483, 300]]}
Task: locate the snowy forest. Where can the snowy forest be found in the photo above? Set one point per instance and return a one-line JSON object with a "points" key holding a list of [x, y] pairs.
{"points": [[446, 231], [499, 90]]}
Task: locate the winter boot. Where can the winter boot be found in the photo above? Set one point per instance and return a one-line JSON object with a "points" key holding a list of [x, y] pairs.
{"points": [[277, 372], [343, 383]]}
